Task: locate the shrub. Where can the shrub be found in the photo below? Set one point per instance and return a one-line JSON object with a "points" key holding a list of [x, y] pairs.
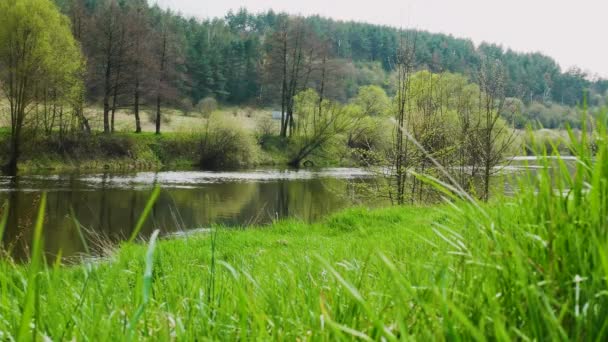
{"points": [[370, 134], [266, 127], [166, 119], [226, 144], [183, 146], [116, 146], [185, 105], [207, 106]]}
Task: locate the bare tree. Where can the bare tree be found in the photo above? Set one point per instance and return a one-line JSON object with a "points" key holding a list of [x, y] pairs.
{"points": [[121, 63], [167, 55], [140, 57], [79, 18], [294, 50], [400, 158], [162, 62], [107, 44], [493, 136]]}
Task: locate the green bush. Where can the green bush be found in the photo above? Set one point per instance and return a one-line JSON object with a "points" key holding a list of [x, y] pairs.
{"points": [[174, 147], [227, 144], [207, 106]]}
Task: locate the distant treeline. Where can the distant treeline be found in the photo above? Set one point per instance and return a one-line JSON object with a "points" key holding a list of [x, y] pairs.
{"points": [[227, 58]]}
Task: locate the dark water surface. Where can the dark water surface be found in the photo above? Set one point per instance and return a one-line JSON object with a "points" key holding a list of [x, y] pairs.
{"points": [[108, 205]]}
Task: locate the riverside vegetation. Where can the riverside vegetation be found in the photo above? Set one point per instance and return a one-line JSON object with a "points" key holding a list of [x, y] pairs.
{"points": [[73, 69], [529, 267]]}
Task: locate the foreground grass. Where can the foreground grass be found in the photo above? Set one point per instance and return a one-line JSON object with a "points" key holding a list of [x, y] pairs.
{"points": [[276, 281], [394, 273]]}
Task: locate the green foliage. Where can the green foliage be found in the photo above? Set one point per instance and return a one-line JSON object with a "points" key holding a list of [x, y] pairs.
{"points": [[370, 134], [361, 74], [372, 100], [320, 126], [552, 141], [36, 43], [35, 30], [548, 115], [207, 106], [226, 144], [38, 57]]}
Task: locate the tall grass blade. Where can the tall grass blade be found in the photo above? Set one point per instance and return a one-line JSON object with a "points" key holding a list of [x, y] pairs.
{"points": [[147, 283], [4, 220], [144, 215], [29, 305], [79, 230]]}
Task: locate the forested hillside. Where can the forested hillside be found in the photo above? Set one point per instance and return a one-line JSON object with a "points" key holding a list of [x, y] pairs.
{"points": [[142, 55]]}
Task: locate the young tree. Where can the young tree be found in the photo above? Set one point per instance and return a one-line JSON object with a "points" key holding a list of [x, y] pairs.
{"points": [[319, 124], [167, 56], [80, 19], [36, 46], [493, 137], [400, 158], [372, 100]]}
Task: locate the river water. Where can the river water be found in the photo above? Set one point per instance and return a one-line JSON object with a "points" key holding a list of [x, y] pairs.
{"points": [[108, 205]]}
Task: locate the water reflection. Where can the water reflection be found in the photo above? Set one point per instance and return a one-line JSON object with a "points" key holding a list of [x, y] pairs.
{"points": [[109, 205]]}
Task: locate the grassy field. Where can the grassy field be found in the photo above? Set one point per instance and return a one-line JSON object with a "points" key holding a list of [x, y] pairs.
{"points": [[174, 120], [531, 267]]}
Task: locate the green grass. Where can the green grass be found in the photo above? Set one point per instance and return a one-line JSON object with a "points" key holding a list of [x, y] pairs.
{"points": [[531, 267], [231, 283]]}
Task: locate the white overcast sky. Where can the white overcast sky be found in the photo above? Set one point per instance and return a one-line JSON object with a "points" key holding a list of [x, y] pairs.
{"points": [[574, 32]]}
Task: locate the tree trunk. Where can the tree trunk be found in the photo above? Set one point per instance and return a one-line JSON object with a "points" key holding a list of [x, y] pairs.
{"points": [[284, 118], [160, 81], [10, 168], [158, 100], [112, 116], [136, 109], [136, 100], [136, 94], [106, 100]]}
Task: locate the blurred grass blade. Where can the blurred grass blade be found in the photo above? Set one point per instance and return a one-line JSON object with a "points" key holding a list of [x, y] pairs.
{"points": [[147, 283], [4, 220], [34, 267], [145, 213], [79, 230]]}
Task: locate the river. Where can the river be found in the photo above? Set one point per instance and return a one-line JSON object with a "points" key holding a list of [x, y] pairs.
{"points": [[107, 206]]}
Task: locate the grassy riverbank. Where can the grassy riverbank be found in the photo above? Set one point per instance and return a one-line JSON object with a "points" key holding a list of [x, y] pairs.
{"points": [[129, 151], [530, 267], [229, 139], [228, 284], [243, 137]]}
